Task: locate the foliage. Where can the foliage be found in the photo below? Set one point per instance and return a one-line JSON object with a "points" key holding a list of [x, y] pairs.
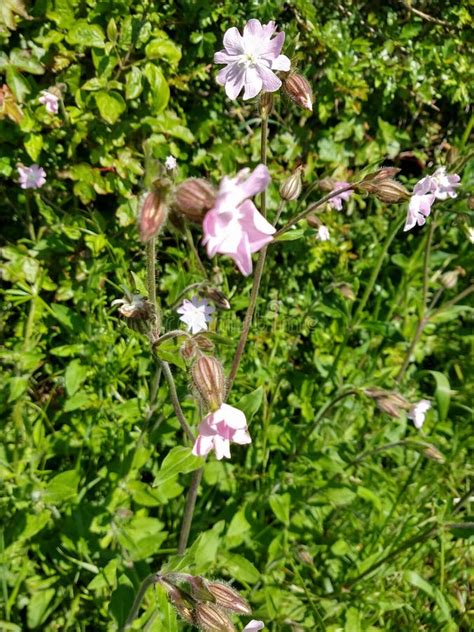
{"points": [[335, 513]]}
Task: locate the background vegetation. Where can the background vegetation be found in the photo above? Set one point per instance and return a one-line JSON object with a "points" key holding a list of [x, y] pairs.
{"points": [[335, 517]]}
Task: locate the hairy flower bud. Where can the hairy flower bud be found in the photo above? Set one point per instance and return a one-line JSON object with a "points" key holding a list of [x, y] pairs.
{"points": [[299, 91], [228, 598], [153, 215], [210, 619], [188, 349], [389, 191], [449, 279], [291, 188], [219, 299], [388, 401], [384, 173], [193, 198], [208, 377], [431, 452], [204, 343], [183, 604]]}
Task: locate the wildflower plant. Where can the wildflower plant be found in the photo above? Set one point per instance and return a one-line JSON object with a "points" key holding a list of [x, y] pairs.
{"points": [[192, 284]]}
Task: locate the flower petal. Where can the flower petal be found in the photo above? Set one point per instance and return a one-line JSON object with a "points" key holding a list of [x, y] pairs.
{"points": [[253, 83], [243, 257], [235, 81], [271, 83], [203, 446], [282, 62], [257, 181], [233, 41]]}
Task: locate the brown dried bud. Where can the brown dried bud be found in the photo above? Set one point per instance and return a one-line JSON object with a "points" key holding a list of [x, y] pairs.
{"points": [[193, 198], [183, 604], [313, 221], [228, 598], [266, 104], [346, 290], [291, 188], [299, 91], [208, 377], [450, 279], [384, 173], [326, 184], [434, 454], [388, 401], [389, 191], [305, 556], [153, 215], [188, 349], [210, 619], [204, 343], [136, 307], [219, 299]]}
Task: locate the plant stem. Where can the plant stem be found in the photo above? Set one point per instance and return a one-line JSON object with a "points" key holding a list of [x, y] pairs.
{"points": [[316, 612], [175, 401], [263, 159], [151, 271], [146, 583], [189, 510]]}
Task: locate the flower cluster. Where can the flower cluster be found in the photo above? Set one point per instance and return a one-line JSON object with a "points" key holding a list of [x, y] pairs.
{"points": [[439, 186]]}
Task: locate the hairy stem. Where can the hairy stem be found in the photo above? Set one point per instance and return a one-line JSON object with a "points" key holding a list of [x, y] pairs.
{"points": [[151, 271], [175, 401], [189, 510], [146, 583]]}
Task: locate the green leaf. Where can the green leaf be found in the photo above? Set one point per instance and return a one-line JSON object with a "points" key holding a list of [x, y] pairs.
{"points": [[443, 394], [280, 504], [179, 460], [33, 145], [241, 569], [62, 14], [18, 84], [133, 83], [250, 404], [159, 89], [23, 60], [62, 487], [163, 49], [292, 235], [37, 609], [111, 105], [84, 34], [75, 375]]}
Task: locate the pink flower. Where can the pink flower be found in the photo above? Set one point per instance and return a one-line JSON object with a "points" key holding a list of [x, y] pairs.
{"points": [[218, 429], [31, 177], [445, 184], [195, 314], [337, 200], [50, 101], [323, 233], [233, 226], [253, 626], [420, 203], [418, 412], [250, 59]]}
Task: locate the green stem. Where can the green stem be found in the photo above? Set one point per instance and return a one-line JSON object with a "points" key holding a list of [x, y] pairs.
{"points": [[146, 583], [175, 401], [151, 271], [189, 510], [317, 615]]}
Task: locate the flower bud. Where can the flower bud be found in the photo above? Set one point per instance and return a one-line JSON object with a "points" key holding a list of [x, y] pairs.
{"points": [[203, 342], [431, 452], [210, 619], [208, 377], [299, 91], [136, 307], [389, 191], [292, 186], [388, 401], [450, 279], [228, 598], [193, 198], [153, 215], [183, 604], [188, 349], [384, 173], [219, 299]]}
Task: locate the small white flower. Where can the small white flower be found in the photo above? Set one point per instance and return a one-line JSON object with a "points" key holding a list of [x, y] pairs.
{"points": [[50, 101], [171, 163], [418, 412], [253, 626], [445, 184], [195, 314], [323, 233]]}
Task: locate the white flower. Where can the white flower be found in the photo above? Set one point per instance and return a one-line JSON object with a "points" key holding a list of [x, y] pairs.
{"points": [[171, 163], [31, 177], [253, 626], [445, 184], [418, 412], [195, 314], [420, 203], [323, 233], [50, 101]]}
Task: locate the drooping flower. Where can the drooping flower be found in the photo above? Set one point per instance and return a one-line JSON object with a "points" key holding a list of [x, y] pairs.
{"points": [[219, 429], [171, 163], [196, 314], [31, 177], [50, 101], [420, 203], [234, 226], [323, 233], [254, 626], [250, 60], [438, 186], [418, 412], [134, 306], [337, 200]]}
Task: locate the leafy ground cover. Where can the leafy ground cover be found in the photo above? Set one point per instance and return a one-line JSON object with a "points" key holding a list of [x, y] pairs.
{"points": [[338, 516]]}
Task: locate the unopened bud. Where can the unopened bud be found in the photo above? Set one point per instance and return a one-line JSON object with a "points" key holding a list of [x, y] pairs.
{"points": [[292, 186], [210, 619], [299, 91], [203, 342], [193, 198], [153, 215], [183, 604], [199, 589], [219, 299], [389, 191], [326, 184], [228, 598], [136, 307], [384, 173], [266, 104], [305, 556], [434, 454], [450, 279], [188, 349], [388, 401], [346, 290], [208, 377]]}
